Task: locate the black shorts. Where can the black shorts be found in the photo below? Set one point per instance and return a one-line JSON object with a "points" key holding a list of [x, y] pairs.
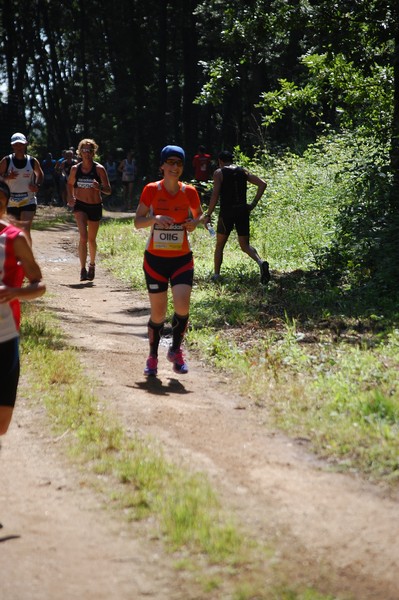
{"points": [[159, 270], [237, 218], [9, 371], [15, 211], [94, 212]]}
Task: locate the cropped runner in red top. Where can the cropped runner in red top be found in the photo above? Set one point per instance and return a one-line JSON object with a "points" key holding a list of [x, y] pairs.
{"points": [[172, 209], [16, 263]]}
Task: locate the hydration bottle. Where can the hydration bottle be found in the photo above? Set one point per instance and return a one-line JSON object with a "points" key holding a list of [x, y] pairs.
{"points": [[211, 230]]}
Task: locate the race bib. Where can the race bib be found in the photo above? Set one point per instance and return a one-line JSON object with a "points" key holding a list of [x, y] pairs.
{"points": [[85, 183], [168, 239], [18, 199]]}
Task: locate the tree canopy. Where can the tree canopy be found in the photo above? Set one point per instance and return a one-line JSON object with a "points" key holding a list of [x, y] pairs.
{"points": [[217, 72]]}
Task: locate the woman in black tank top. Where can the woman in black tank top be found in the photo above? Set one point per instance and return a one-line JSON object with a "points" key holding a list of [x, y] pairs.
{"points": [[87, 181]]}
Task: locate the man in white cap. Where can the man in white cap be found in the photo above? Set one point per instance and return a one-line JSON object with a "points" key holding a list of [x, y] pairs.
{"points": [[23, 175]]}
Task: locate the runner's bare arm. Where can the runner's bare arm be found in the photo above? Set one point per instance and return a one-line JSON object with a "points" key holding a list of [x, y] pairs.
{"points": [[3, 167], [105, 187], [196, 213], [217, 184], [70, 183], [36, 286], [261, 185], [39, 176]]}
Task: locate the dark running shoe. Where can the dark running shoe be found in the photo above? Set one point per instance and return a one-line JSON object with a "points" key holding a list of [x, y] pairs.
{"points": [[264, 273], [91, 272], [83, 274], [179, 364]]}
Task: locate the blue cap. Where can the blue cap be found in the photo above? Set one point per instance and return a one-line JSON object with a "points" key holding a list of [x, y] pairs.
{"points": [[172, 151]]}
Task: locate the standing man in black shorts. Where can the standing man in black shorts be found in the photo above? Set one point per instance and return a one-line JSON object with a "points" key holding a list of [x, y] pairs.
{"points": [[230, 184]]}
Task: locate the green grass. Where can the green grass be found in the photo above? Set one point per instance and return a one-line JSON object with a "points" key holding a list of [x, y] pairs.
{"points": [[343, 399]]}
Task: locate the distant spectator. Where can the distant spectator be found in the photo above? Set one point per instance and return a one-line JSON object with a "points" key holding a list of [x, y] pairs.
{"points": [[65, 168], [111, 166], [128, 169], [112, 169], [58, 175], [74, 153], [202, 165], [48, 187]]}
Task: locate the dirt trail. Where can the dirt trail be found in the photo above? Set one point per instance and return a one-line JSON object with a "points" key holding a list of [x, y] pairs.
{"points": [[58, 541]]}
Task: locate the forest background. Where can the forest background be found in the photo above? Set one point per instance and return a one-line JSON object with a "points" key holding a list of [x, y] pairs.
{"points": [[267, 77], [137, 75]]}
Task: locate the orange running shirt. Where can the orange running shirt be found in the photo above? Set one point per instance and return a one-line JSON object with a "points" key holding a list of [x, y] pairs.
{"points": [[172, 241]]}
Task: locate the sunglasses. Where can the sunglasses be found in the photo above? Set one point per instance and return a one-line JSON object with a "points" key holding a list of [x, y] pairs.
{"points": [[87, 150], [174, 161]]}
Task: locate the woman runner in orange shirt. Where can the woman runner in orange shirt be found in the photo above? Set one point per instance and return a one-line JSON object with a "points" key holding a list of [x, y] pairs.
{"points": [[172, 209]]}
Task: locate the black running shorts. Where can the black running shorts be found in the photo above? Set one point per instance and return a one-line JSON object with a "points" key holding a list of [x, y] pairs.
{"points": [[160, 270], [94, 212], [9, 371], [15, 211], [237, 218]]}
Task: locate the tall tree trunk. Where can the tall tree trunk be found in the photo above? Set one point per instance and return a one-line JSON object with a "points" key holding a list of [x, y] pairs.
{"points": [[16, 59], [58, 122], [162, 72], [395, 123], [83, 25], [190, 75]]}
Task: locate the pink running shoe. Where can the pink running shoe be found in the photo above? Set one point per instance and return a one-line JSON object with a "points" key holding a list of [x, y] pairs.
{"points": [[151, 366], [179, 364]]}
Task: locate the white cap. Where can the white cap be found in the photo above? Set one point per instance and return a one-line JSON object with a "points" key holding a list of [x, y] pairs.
{"points": [[18, 138]]}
